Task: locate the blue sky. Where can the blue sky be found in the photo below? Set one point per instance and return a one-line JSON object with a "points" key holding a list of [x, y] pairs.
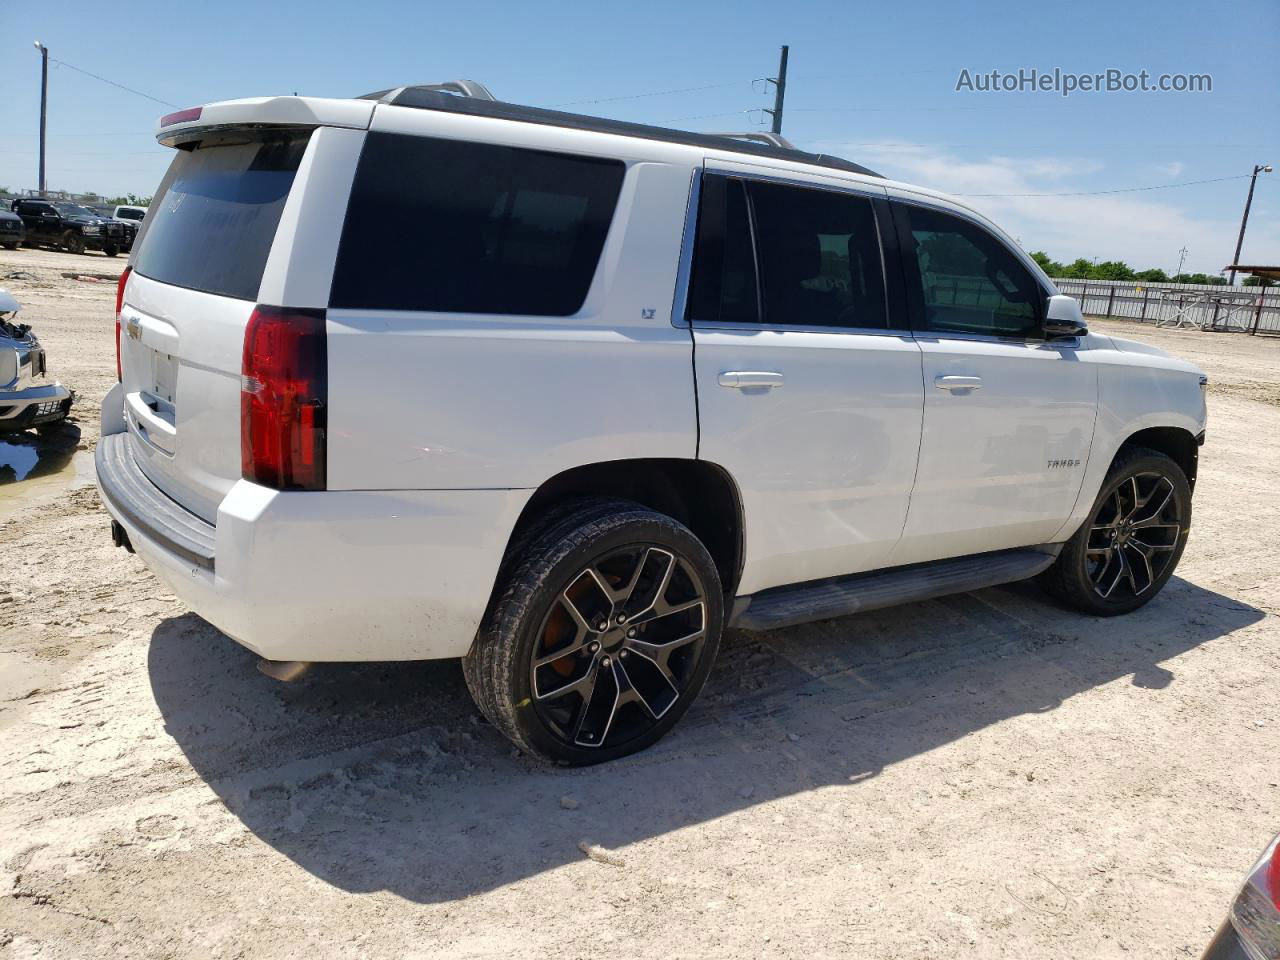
{"points": [[873, 82]]}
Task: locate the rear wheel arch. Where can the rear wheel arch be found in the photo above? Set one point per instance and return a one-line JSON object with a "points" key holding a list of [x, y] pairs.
{"points": [[699, 494]]}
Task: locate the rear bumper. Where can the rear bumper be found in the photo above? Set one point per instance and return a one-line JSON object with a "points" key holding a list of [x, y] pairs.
{"points": [[329, 576], [1225, 945]]}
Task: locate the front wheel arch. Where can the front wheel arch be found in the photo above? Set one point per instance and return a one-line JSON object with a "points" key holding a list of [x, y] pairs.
{"points": [[1178, 444]]}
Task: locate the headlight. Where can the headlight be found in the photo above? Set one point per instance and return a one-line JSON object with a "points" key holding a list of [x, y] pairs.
{"points": [[91, 229]]}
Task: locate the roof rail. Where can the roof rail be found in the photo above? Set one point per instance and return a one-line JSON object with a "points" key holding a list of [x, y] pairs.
{"points": [[463, 88], [475, 99], [772, 139]]}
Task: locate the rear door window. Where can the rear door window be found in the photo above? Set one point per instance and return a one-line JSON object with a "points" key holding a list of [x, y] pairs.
{"points": [[820, 262], [212, 224], [723, 287], [457, 227], [786, 256]]}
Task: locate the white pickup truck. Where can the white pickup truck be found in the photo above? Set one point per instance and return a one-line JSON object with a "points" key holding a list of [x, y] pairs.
{"points": [[566, 397]]}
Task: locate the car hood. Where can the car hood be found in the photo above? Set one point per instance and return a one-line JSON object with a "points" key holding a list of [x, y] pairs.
{"points": [[9, 215], [1135, 346], [1156, 356]]}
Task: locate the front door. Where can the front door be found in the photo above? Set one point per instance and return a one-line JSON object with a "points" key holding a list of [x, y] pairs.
{"points": [[807, 395], [1008, 416]]}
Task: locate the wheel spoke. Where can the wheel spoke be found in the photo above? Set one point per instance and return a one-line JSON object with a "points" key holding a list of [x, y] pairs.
{"points": [[584, 625], [588, 738], [1158, 511], [584, 686], [663, 609], [629, 691], [573, 648], [1153, 524], [659, 592], [1133, 487], [1117, 558], [1132, 548], [659, 652]]}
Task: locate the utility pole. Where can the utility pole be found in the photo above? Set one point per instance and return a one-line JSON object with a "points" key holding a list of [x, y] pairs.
{"points": [[1181, 259], [1244, 221], [44, 103], [780, 90]]}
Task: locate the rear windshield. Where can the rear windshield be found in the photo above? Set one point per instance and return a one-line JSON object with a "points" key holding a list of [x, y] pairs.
{"points": [[451, 226], [211, 225]]}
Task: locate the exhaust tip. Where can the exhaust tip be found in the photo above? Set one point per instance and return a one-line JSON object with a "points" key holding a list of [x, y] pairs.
{"points": [[286, 671]]}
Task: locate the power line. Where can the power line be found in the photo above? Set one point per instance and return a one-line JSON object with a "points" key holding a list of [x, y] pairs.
{"points": [[1097, 193], [139, 93]]}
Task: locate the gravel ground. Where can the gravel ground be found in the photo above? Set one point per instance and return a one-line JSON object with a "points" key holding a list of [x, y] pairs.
{"points": [[981, 776]]}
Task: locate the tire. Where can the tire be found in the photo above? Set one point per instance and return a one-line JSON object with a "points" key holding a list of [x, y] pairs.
{"points": [[1130, 544], [73, 242], [111, 250], [594, 695], [11, 246]]}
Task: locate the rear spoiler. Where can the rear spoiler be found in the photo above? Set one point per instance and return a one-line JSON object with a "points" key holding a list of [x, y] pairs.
{"points": [[186, 126]]}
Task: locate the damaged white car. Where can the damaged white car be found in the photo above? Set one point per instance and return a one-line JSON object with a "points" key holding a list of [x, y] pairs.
{"points": [[28, 398]]}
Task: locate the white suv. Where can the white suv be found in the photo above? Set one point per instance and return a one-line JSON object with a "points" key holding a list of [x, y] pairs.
{"points": [[565, 397]]}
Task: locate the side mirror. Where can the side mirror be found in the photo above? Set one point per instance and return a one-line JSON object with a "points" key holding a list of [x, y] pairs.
{"points": [[1063, 319]]}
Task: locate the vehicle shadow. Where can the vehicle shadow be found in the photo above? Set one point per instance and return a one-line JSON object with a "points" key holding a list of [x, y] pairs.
{"points": [[382, 776], [27, 455]]}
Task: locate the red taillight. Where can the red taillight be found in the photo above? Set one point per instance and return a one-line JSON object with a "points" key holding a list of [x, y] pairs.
{"points": [[283, 397], [182, 116], [120, 285]]}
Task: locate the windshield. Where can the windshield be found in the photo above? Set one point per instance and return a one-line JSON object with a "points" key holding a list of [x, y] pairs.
{"points": [[74, 210], [130, 213]]}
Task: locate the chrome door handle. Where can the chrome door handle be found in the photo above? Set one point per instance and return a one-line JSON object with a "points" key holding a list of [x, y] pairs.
{"points": [[957, 384], [748, 379]]}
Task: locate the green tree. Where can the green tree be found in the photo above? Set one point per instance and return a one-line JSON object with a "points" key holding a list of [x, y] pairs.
{"points": [[1113, 270], [1050, 266], [1079, 269], [1154, 275], [1256, 281]]}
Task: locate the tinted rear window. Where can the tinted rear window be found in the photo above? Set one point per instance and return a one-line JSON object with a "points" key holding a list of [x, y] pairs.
{"points": [[211, 226], [457, 227]]}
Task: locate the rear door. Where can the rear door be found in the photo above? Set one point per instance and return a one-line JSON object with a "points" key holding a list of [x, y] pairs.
{"points": [[809, 392], [207, 254]]}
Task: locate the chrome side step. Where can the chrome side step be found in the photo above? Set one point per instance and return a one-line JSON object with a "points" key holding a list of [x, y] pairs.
{"points": [[824, 599]]}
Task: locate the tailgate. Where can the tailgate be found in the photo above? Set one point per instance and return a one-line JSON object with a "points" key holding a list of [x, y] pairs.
{"points": [[197, 270]]}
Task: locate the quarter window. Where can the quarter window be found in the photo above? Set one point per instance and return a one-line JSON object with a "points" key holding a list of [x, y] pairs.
{"points": [[457, 227], [969, 281]]}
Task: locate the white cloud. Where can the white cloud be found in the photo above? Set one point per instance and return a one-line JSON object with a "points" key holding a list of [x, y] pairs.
{"points": [[1143, 229], [1169, 171]]}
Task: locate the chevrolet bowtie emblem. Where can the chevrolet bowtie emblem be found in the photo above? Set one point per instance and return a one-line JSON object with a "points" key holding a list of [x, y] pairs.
{"points": [[134, 326]]}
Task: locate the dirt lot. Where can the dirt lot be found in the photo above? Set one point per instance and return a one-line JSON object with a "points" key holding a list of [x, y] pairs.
{"points": [[982, 776]]}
